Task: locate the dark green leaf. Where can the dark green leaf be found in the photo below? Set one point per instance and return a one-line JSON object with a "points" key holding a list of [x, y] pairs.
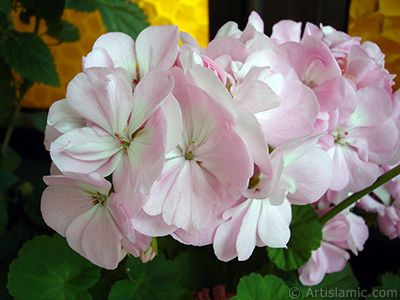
{"points": [[7, 100], [39, 120], [30, 56], [306, 235], [50, 10], [83, 6], [156, 279], [336, 284], [124, 16], [5, 6], [7, 179], [6, 76], [3, 214], [66, 33], [390, 288], [10, 160], [333, 286], [256, 287], [47, 268], [193, 275]]}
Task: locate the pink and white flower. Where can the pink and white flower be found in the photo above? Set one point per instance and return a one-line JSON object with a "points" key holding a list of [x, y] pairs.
{"points": [[95, 220]]}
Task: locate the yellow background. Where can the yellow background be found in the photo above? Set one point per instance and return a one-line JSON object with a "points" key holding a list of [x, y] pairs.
{"points": [[190, 15], [378, 21]]}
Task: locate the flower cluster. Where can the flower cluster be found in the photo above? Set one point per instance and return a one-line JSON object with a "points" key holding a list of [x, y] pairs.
{"points": [[214, 145]]}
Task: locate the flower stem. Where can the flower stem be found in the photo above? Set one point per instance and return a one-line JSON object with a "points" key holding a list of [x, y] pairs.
{"points": [[26, 84], [356, 196]]}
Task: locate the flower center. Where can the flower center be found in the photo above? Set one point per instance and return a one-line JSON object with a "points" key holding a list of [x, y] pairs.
{"points": [[340, 136], [97, 198], [190, 150]]}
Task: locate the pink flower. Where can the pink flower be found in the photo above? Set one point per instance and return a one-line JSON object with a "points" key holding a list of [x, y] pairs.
{"points": [[95, 220], [387, 208], [344, 231], [326, 259], [316, 67], [155, 48], [301, 174], [210, 162], [125, 134]]}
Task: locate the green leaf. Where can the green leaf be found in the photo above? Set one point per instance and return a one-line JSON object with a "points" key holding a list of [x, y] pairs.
{"points": [[10, 160], [50, 10], [390, 288], [30, 56], [83, 6], [306, 235], [156, 279], [333, 286], [193, 275], [7, 100], [124, 16], [3, 214], [5, 6], [256, 287], [47, 268], [39, 120], [66, 33], [7, 179]]}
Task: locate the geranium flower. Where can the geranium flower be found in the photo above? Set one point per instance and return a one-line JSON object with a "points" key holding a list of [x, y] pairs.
{"points": [[124, 133], [211, 158], [95, 220]]}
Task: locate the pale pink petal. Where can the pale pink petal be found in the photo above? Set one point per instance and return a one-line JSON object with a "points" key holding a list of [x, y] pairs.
{"points": [[84, 150], [174, 125], [121, 49], [247, 236], [151, 92], [62, 117], [313, 175], [273, 224], [152, 225], [363, 174], [231, 164], [62, 204], [286, 31], [205, 79], [341, 173], [223, 45], [144, 158], [100, 238], [336, 256], [313, 272], [373, 106], [225, 241], [157, 48], [375, 144]]}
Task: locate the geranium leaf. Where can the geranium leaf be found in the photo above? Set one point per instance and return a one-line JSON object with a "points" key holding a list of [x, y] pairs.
{"points": [[3, 214], [30, 56], [66, 33], [7, 179], [306, 235], [124, 16], [390, 288], [256, 287], [47, 268], [193, 275], [156, 279], [83, 6]]}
